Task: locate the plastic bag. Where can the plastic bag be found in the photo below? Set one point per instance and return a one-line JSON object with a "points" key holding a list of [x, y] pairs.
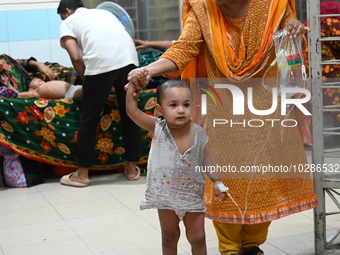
{"points": [[289, 58]]}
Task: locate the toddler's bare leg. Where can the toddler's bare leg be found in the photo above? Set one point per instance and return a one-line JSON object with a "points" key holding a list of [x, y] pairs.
{"points": [[170, 231], [194, 225]]}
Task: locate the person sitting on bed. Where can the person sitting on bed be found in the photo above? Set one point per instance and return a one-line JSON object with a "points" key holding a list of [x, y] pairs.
{"points": [[10, 69], [55, 90]]}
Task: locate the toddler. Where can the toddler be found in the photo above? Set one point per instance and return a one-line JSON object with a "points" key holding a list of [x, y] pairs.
{"points": [[173, 185]]}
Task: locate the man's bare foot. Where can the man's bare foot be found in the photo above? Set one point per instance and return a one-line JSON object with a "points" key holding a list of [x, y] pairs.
{"points": [[80, 176], [131, 171]]}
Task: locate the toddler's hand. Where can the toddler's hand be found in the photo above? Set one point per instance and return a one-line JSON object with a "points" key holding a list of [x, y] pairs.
{"points": [[221, 189], [140, 77]]}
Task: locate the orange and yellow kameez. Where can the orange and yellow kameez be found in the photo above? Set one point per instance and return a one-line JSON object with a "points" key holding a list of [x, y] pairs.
{"points": [[241, 50]]}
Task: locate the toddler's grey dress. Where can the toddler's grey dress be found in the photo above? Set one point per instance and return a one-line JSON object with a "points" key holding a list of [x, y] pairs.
{"points": [[172, 180]]}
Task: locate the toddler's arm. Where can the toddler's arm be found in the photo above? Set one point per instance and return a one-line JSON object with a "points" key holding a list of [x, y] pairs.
{"points": [[219, 187], [140, 118]]}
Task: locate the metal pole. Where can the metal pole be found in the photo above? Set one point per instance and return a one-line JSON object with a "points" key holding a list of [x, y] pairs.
{"points": [[315, 71]]}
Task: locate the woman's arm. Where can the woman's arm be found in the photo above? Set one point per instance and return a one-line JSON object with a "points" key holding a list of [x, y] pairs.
{"points": [[45, 70], [178, 56], [159, 45], [219, 187], [158, 67]]}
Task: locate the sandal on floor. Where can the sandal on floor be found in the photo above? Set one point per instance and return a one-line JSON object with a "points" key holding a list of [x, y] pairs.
{"points": [[65, 180], [252, 250], [132, 178]]}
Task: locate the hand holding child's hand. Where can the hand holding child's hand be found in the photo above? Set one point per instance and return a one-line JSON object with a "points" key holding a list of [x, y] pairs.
{"points": [[220, 189], [134, 82], [139, 77]]}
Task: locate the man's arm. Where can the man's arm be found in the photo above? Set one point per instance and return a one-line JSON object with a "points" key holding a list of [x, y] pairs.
{"points": [[70, 44]]}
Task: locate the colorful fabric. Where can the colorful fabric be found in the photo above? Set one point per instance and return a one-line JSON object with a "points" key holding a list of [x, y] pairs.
{"points": [[21, 74], [46, 130], [7, 93], [260, 198], [18, 75], [329, 7], [239, 63], [13, 172]]}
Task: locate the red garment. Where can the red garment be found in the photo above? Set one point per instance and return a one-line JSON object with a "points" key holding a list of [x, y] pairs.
{"points": [[328, 7]]}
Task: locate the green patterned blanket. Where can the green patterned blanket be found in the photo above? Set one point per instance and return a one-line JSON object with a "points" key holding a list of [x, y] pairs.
{"points": [[46, 130]]}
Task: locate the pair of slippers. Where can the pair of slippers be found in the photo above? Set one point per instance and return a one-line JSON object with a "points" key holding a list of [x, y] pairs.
{"points": [[132, 178], [66, 179]]}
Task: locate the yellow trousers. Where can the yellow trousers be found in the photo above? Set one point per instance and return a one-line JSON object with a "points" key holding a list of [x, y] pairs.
{"points": [[233, 237]]}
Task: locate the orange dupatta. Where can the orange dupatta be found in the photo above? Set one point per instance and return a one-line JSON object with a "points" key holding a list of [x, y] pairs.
{"points": [[225, 56]]}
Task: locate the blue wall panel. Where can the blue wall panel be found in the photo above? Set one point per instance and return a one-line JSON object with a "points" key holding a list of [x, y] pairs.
{"points": [[28, 25], [54, 22], [4, 30]]}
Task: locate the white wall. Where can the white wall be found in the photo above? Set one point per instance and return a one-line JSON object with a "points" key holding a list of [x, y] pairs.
{"points": [[27, 4], [31, 28]]}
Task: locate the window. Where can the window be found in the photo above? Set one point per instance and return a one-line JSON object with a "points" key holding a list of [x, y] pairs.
{"points": [[152, 19]]}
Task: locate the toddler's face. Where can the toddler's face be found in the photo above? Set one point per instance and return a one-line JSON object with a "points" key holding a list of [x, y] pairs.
{"points": [[176, 106]]}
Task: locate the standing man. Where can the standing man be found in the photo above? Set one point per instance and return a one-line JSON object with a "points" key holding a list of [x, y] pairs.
{"points": [[103, 54]]}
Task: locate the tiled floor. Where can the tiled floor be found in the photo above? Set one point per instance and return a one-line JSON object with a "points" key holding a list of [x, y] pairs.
{"points": [[104, 218]]}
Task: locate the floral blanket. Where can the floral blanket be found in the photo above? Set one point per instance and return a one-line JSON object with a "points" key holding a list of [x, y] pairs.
{"points": [[46, 130]]}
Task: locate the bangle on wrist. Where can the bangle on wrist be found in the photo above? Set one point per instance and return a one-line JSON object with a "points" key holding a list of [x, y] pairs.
{"points": [[148, 43]]}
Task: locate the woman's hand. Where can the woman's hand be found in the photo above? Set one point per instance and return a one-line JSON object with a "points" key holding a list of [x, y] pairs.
{"points": [[140, 77], [296, 28], [46, 71], [140, 44], [5, 80]]}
